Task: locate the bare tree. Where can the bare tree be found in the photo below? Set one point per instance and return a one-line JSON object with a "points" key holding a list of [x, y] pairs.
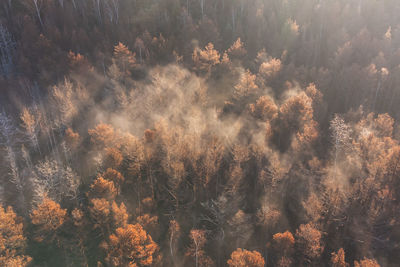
{"points": [[55, 181], [38, 6], [8, 139], [340, 134]]}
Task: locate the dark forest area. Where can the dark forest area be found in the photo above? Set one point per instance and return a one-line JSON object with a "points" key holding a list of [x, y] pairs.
{"points": [[204, 133]]}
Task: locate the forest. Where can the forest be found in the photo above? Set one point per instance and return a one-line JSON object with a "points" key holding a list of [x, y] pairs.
{"points": [[204, 133]]}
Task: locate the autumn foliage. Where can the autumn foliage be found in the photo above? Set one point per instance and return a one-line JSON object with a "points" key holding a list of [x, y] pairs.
{"points": [[130, 246], [243, 257]]}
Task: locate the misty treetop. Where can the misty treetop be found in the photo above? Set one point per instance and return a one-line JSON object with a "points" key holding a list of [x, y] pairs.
{"points": [[238, 133]]}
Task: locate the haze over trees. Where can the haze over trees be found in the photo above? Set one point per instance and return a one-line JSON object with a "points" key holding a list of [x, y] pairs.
{"points": [[199, 133]]}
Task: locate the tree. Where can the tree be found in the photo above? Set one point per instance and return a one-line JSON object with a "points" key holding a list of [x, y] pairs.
{"points": [[366, 263], [113, 175], [7, 51], [338, 259], [48, 217], [64, 104], [30, 124], [174, 232], [72, 138], [237, 50], [124, 58], [130, 246], [8, 139], [113, 157], [270, 69], [12, 240], [102, 135], [102, 188], [245, 258], [283, 242], [55, 181], [120, 215], [246, 86], [341, 135], [264, 109], [308, 240], [205, 59], [195, 251], [100, 211]]}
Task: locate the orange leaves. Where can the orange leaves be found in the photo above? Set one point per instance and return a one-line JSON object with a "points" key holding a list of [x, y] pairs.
{"points": [[124, 59], [296, 110], [270, 69], [195, 251], [198, 238], [245, 258], [12, 240], [130, 246], [283, 242], [49, 214], [205, 59], [29, 121], [107, 214], [100, 210], [49, 217], [113, 175], [237, 50], [77, 217], [120, 215], [338, 259], [366, 263]]}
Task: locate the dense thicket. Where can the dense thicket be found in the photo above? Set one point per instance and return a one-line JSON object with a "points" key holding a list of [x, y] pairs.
{"points": [[199, 133]]}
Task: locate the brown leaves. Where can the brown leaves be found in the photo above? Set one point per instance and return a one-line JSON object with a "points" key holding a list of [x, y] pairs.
{"points": [[264, 109], [72, 138], [113, 158], [102, 135], [308, 239], [102, 188]]}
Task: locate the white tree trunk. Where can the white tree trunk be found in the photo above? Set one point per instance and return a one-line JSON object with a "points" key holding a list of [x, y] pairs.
{"points": [[38, 11]]}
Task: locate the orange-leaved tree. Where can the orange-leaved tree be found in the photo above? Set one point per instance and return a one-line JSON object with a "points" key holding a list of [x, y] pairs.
{"points": [[130, 246], [48, 217], [12, 240], [245, 258]]}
